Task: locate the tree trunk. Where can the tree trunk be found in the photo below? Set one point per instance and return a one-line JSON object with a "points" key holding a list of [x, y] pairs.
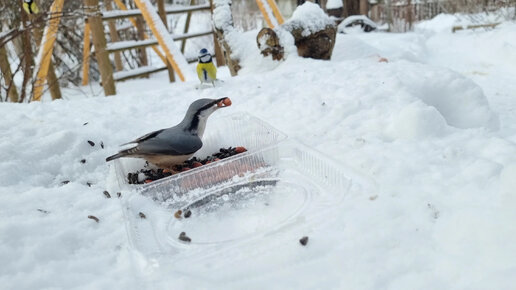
{"points": [[219, 56], [409, 15], [7, 75], [352, 7], [163, 16], [99, 42], [221, 30], [52, 80], [27, 56]]}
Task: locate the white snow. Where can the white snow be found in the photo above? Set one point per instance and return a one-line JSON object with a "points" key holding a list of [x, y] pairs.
{"points": [[310, 17], [334, 4], [434, 127], [355, 18]]}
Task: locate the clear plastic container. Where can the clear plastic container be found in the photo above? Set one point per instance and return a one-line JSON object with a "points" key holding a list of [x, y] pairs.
{"points": [[261, 193], [239, 129]]}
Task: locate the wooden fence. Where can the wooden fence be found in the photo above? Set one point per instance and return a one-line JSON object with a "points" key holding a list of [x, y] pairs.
{"points": [[401, 15]]}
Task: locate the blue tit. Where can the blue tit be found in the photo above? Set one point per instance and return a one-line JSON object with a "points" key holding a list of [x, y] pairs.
{"points": [[206, 71], [30, 7]]}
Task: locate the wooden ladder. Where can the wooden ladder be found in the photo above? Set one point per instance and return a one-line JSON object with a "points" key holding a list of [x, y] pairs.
{"points": [[117, 46]]}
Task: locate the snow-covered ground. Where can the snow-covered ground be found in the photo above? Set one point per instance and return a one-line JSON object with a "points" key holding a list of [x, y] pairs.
{"points": [[434, 127]]}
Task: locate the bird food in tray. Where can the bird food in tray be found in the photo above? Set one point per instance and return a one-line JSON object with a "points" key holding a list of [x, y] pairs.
{"points": [[224, 137]]}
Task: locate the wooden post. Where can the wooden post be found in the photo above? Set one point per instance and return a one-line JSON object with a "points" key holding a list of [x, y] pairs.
{"points": [[364, 7], [165, 40], [44, 57], [275, 11], [163, 16], [141, 32], [409, 14], [122, 6], [99, 42], [187, 26], [389, 14], [86, 53], [7, 75], [52, 81], [269, 19], [113, 33], [219, 55]]}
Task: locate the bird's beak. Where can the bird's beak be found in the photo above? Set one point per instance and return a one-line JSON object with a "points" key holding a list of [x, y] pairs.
{"points": [[224, 102]]}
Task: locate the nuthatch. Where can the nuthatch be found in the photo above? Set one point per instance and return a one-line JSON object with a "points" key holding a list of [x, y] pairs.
{"points": [[174, 145], [206, 71]]}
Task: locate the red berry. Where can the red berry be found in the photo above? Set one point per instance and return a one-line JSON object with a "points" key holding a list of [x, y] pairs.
{"points": [[240, 149], [196, 164]]}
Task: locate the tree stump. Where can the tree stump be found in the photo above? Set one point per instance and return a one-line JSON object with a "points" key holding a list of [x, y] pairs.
{"points": [[268, 43], [318, 45], [312, 40], [225, 32]]}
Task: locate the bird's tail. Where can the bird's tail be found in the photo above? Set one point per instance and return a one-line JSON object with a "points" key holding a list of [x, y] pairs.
{"points": [[123, 153], [116, 156]]}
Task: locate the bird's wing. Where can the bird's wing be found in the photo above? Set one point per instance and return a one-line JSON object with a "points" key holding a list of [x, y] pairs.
{"points": [[170, 144], [145, 137], [212, 71]]}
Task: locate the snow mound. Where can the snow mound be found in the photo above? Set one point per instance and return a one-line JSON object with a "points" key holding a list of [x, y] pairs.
{"points": [[353, 48], [459, 100], [416, 121], [508, 182], [440, 23]]}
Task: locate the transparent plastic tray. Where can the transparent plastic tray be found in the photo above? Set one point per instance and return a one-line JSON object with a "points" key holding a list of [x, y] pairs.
{"points": [[243, 208], [239, 129], [285, 187]]}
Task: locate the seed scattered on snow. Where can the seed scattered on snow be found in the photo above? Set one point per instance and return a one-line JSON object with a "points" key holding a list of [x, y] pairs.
{"points": [[142, 215], [178, 214], [93, 218], [83, 161], [89, 184], [119, 194], [91, 143], [65, 182], [188, 213], [183, 237], [106, 193], [85, 124], [43, 211], [303, 241], [102, 144], [373, 197]]}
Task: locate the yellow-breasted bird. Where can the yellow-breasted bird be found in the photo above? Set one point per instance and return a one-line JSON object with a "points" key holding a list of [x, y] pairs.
{"points": [[30, 7], [206, 71]]}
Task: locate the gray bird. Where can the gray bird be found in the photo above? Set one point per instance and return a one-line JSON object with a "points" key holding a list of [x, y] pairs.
{"points": [[174, 145]]}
